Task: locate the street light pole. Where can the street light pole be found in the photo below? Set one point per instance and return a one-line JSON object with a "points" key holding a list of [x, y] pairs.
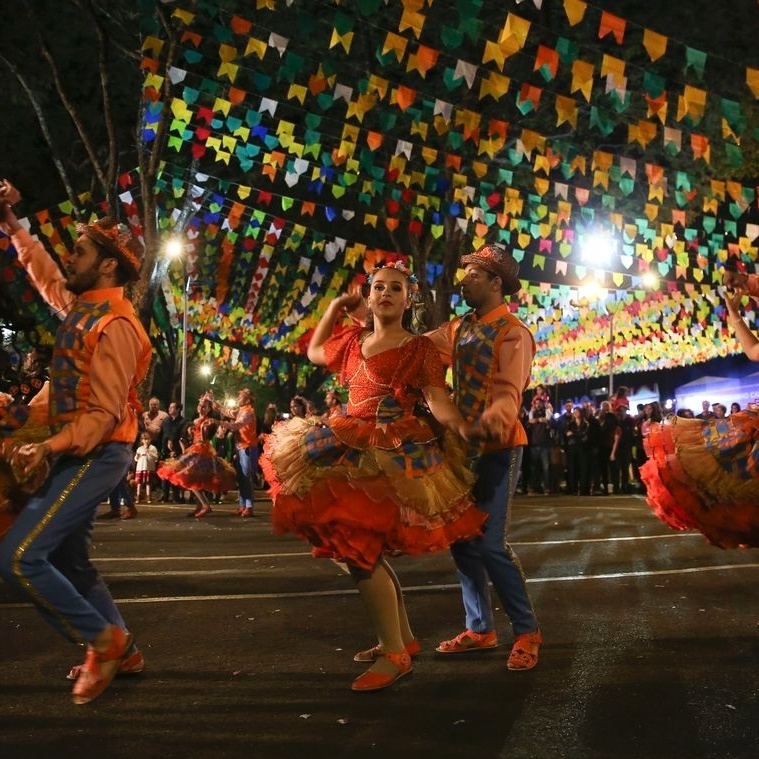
{"points": [[183, 390], [176, 248], [611, 354]]}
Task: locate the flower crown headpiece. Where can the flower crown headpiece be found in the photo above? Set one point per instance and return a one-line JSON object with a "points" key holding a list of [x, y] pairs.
{"points": [[402, 268]]}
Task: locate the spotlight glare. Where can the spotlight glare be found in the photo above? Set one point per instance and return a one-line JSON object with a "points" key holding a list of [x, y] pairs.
{"points": [[174, 247]]}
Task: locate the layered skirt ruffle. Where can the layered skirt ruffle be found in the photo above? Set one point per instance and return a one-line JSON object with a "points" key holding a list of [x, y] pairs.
{"points": [[704, 475], [199, 468], [355, 489]]}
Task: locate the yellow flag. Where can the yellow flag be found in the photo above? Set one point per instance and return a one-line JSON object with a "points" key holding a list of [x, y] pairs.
{"points": [[227, 53], [229, 70], [496, 85], [655, 44], [396, 44], [575, 10], [566, 110], [256, 47], [345, 40], [582, 78]]}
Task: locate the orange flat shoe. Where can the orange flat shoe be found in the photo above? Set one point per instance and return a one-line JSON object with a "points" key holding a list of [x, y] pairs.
{"points": [[129, 665], [413, 647], [372, 680], [99, 668], [524, 652], [469, 641]]}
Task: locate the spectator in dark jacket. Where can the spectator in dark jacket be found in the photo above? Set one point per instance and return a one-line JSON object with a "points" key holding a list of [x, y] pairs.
{"points": [[607, 421], [169, 447]]}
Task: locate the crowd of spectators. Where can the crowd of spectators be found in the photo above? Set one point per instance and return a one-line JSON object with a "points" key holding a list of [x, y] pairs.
{"points": [[583, 448], [591, 449], [172, 434]]}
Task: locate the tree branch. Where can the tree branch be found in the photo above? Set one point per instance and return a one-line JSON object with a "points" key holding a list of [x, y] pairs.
{"points": [[105, 91], [42, 121], [67, 104]]}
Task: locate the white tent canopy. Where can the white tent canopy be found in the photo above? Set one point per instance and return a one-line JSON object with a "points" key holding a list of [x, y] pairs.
{"points": [[725, 390]]}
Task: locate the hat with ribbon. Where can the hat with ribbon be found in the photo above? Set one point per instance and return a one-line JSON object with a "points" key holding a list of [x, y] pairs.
{"points": [[498, 261], [118, 241]]}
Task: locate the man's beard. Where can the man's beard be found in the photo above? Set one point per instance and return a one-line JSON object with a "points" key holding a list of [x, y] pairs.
{"points": [[82, 282]]}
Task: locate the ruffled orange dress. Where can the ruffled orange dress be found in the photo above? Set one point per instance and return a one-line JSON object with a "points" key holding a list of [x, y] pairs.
{"points": [[377, 480], [200, 467], [704, 475]]}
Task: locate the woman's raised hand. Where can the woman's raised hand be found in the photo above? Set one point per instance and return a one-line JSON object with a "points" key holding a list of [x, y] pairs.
{"points": [[735, 280], [352, 303], [733, 300]]}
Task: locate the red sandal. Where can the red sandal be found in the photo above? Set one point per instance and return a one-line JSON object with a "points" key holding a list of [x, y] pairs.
{"points": [[372, 680], [100, 667], [130, 665], [469, 641], [524, 652]]}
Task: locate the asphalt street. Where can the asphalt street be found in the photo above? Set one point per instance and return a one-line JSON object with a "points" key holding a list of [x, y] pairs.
{"points": [[651, 648]]}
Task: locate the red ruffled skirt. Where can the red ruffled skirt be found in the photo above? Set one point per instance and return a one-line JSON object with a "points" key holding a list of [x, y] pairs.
{"points": [[356, 490], [199, 468], [704, 475]]}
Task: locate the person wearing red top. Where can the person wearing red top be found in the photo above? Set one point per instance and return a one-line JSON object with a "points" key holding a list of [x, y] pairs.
{"points": [[620, 399], [101, 354], [200, 469], [376, 480]]}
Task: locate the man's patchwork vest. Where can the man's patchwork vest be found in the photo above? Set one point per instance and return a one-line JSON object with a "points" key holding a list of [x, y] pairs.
{"points": [[70, 366], [475, 359]]}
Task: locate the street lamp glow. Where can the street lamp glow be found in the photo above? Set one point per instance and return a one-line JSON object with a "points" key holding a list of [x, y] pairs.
{"points": [[591, 292], [597, 247], [174, 247], [205, 370], [650, 280]]}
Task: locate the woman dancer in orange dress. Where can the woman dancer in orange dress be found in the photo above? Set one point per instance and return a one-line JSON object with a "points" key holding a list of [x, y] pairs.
{"points": [[377, 480], [200, 469], [703, 474]]}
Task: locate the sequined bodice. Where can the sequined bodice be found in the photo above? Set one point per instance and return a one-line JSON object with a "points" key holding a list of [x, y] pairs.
{"points": [[387, 382]]}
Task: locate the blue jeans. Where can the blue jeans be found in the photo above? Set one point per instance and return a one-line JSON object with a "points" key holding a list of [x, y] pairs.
{"points": [[540, 461], [45, 554], [122, 491], [490, 556], [247, 464]]}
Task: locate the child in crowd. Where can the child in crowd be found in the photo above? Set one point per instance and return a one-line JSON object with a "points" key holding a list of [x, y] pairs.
{"points": [[146, 459]]}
